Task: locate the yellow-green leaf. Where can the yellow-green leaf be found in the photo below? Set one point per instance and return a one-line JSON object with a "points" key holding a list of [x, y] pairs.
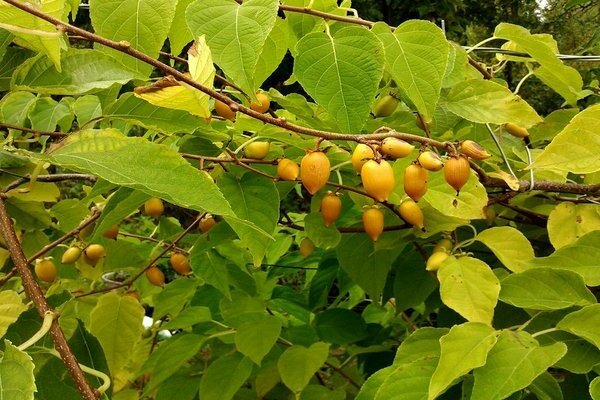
{"points": [[11, 307], [510, 246], [569, 221]]}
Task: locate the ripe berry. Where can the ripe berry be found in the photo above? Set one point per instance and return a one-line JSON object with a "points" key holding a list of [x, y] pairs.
{"points": [[155, 276], [435, 260], [444, 245], [224, 111], [378, 179], [331, 207], [373, 222], [430, 161], [385, 106], [314, 171], [93, 253], [154, 207], [516, 130], [456, 172], [361, 154], [207, 223], [45, 270], [180, 263], [262, 103], [287, 170], [411, 213], [396, 148], [415, 181], [306, 247], [257, 150], [474, 150], [71, 255], [112, 232]]}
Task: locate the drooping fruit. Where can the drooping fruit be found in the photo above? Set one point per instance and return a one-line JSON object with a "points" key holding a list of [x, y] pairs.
{"points": [[430, 161], [361, 154], [444, 245], [262, 103], [396, 148], [411, 213], [516, 130], [257, 150], [93, 253], [373, 222], [456, 172], [154, 207], [71, 255], [435, 260], [155, 276], [180, 263], [314, 171], [385, 106], [306, 247], [224, 111], [45, 270], [288, 170], [207, 223], [474, 150], [415, 181], [112, 232], [331, 207], [378, 179]]}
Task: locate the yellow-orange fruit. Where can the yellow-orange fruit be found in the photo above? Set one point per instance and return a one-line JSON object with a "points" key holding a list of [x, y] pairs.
{"points": [[155, 276], [396, 148], [93, 253], [361, 154], [444, 245], [257, 150], [224, 111], [474, 150], [306, 247], [180, 263], [378, 179], [411, 213], [112, 232], [373, 222], [207, 223], [45, 270], [71, 255], [456, 172], [314, 171], [154, 207], [415, 181], [331, 207], [435, 260], [262, 103], [430, 161], [288, 170], [385, 106], [516, 130]]}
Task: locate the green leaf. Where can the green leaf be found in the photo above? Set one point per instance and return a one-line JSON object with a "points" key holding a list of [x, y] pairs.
{"points": [[563, 79], [16, 370], [580, 257], [14, 57], [341, 72], [569, 221], [47, 112], [255, 199], [422, 343], [211, 267], [236, 34], [489, 102], [50, 43], [120, 205], [223, 378], [545, 289], [144, 24], [273, 52], [545, 387], [510, 246], [11, 307], [139, 112], [189, 316], [322, 236], [575, 149], [340, 326], [464, 348], [180, 35], [581, 355], [117, 323], [83, 70], [15, 106], [257, 335], [169, 358], [29, 215], [595, 388], [298, 364], [412, 284], [583, 323], [88, 351], [469, 287], [318, 392], [367, 265], [416, 55], [512, 364], [173, 298]]}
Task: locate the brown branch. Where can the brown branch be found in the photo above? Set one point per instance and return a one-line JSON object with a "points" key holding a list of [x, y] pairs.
{"points": [[34, 131], [35, 293], [550, 186], [486, 74], [47, 178], [389, 228]]}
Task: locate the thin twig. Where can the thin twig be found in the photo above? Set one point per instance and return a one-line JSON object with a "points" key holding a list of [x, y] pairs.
{"points": [[34, 131], [47, 178]]}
